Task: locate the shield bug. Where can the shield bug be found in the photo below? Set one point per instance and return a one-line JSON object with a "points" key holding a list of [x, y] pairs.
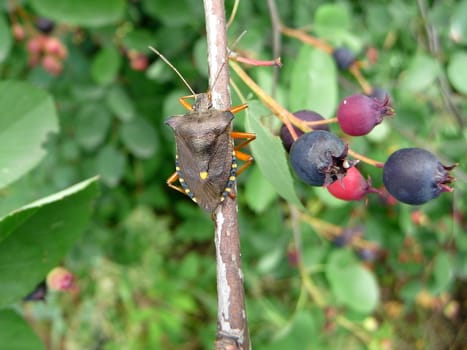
{"points": [[206, 157]]}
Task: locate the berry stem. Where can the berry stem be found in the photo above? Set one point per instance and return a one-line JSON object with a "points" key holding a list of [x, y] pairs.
{"points": [[259, 63], [306, 38], [365, 159], [283, 114], [355, 70]]}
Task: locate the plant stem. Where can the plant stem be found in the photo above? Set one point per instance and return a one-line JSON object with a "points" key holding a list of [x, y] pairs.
{"points": [[232, 329]]}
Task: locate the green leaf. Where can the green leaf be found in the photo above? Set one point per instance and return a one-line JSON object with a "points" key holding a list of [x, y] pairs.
{"points": [[259, 193], [93, 123], [314, 82], [458, 27], [457, 71], [139, 40], [120, 104], [27, 115], [443, 272], [92, 13], [422, 72], [34, 238], [105, 66], [270, 156], [140, 137], [331, 20], [173, 13], [351, 283], [17, 333], [5, 39], [110, 164]]}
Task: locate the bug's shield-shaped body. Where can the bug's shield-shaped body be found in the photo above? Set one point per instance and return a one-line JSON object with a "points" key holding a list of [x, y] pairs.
{"points": [[206, 163]]}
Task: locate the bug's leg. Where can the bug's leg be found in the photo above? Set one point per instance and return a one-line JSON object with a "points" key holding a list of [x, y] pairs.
{"points": [[247, 136], [183, 101], [236, 109], [248, 159], [170, 182]]}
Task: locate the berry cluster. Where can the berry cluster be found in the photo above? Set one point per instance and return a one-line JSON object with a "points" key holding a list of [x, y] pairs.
{"points": [[319, 158], [43, 48]]}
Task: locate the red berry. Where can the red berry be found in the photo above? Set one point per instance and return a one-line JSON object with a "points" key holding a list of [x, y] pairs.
{"points": [[139, 63], [18, 32], [352, 187], [52, 64], [35, 45], [60, 279], [359, 114]]}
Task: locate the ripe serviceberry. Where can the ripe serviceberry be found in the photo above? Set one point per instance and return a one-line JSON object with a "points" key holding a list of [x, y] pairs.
{"points": [[307, 116], [343, 57], [44, 25], [319, 158], [359, 114], [352, 187], [415, 176]]}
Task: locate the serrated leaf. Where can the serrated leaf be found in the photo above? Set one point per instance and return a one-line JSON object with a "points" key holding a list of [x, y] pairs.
{"points": [[92, 13], [93, 122], [34, 238], [421, 73], [140, 137], [270, 157], [16, 332], [457, 71], [105, 65], [110, 163], [314, 82], [5, 39], [27, 116], [351, 283], [120, 104]]}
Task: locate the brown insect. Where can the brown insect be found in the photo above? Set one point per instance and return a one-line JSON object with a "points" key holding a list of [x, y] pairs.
{"points": [[206, 157]]}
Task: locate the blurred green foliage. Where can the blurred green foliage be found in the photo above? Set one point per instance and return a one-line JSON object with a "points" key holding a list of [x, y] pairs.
{"points": [[145, 265]]}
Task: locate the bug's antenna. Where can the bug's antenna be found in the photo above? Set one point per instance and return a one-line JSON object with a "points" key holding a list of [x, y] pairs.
{"points": [[173, 67]]}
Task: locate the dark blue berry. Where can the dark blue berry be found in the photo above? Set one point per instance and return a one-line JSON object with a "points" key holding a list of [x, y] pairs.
{"points": [[44, 25], [305, 115], [415, 176], [343, 57], [39, 293], [367, 254], [319, 158]]}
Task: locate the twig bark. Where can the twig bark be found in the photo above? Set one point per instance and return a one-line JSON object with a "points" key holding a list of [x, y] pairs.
{"points": [[232, 330]]}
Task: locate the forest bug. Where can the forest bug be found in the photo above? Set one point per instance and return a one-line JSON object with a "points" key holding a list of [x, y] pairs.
{"points": [[206, 157]]}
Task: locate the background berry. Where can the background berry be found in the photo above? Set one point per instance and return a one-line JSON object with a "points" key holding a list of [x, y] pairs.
{"points": [[319, 158], [44, 25], [343, 57], [359, 114], [415, 176], [305, 115]]}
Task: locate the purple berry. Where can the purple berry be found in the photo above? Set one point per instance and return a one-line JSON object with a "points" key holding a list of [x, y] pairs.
{"points": [[44, 25], [307, 116], [415, 176], [343, 57], [359, 114], [38, 294], [319, 158]]}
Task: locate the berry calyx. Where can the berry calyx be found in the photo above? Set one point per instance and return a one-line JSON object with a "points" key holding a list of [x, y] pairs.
{"points": [[319, 158], [352, 187], [307, 116], [358, 114], [415, 176]]}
